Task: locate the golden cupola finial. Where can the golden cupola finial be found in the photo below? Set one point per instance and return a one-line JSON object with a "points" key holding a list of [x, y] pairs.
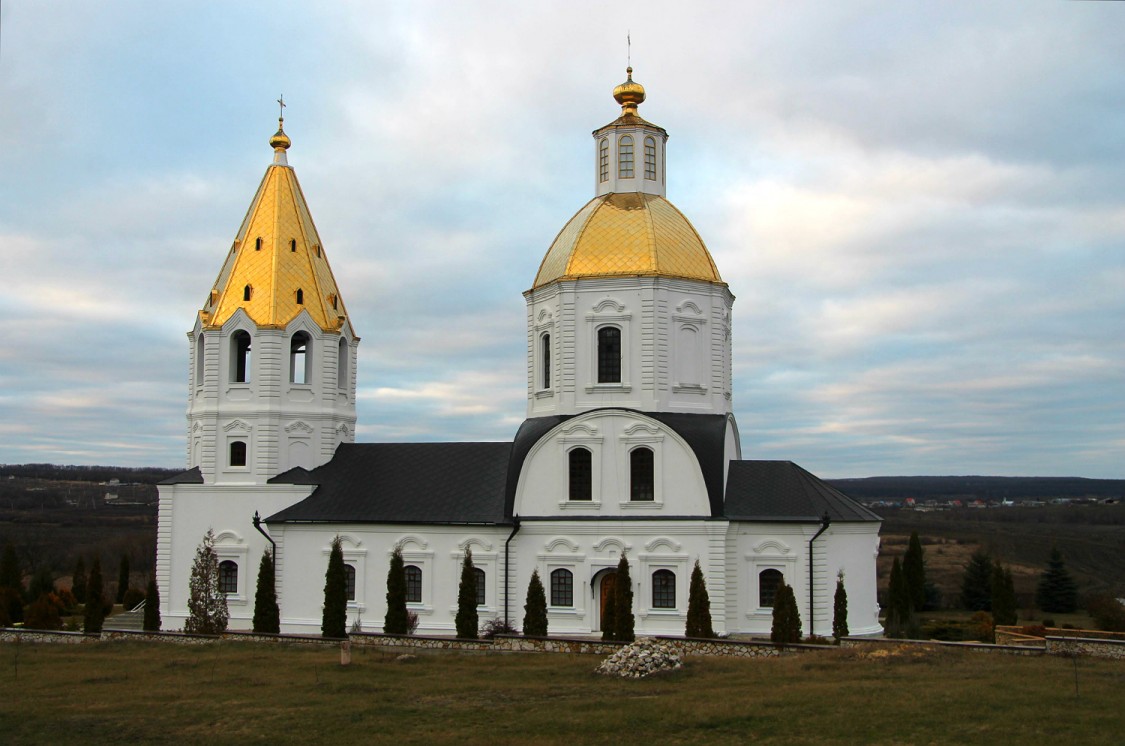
{"points": [[629, 94], [280, 141]]}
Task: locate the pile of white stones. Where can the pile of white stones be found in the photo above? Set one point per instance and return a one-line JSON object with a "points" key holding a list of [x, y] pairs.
{"points": [[642, 658]]}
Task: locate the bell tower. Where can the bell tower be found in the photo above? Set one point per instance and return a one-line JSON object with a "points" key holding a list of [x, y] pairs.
{"points": [[272, 353]]}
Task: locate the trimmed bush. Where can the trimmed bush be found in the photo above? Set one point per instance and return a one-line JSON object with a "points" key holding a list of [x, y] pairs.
{"points": [[786, 627], [152, 607], [840, 609], [95, 604], [78, 581], [267, 616], [466, 620], [334, 621], [535, 609], [699, 606], [207, 605], [397, 621], [623, 603]]}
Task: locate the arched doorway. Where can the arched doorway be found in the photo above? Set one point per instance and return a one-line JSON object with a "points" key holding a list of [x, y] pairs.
{"points": [[604, 583]]}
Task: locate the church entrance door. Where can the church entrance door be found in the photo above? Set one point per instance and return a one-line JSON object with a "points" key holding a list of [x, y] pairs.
{"points": [[609, 582]]}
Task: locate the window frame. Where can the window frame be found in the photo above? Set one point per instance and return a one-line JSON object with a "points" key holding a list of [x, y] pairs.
{"points": [[413, 583], [481, 578], [771, 593], [349, 581], [236, 454], [664, 589], [560, 590], [605, 373], [585, 473], [625, 155], [228, 577], [650, 158], [603, 160], [241, 356], [644, 490], [301, 356]]}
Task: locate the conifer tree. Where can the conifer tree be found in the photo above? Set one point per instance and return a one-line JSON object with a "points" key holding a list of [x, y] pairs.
{"points": [[786, 627], [699, 606], [535, 610], [466, 620], [623, 603], [122, 578], [78, 581], [1003, 595], [334, 622], [901, 621], [396, 621], [95, 611], [267, 616], [976, 583], [914, 572], [840, 609], [42, 583], [609, 615], [207, 605], [152, 607], [11, 584], [1057, 592]]}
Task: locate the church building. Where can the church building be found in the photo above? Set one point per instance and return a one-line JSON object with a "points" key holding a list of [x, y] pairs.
{"points": [[630, 445]]}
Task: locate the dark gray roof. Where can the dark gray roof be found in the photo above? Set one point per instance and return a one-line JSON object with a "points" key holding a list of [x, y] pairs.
{"points": [[783, 491], [191, 476], [404, 483]]}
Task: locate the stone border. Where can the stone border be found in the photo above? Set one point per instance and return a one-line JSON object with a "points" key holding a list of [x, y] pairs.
{"points": [[976, 647], [1086, 646]]}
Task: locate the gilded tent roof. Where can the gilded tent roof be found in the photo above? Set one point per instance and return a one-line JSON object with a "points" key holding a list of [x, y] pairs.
{"points": [[627, 234], [289, 258]]}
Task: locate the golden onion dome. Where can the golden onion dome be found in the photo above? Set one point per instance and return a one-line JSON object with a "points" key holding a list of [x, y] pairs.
{"points": [[280, 140], [627, 234], [629, 94]]}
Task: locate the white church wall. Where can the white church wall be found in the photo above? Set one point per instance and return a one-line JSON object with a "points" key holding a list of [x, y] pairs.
{"points": [[186, 512], [588, 550], [610, 436], [437, 551], [785, 547], [675, 345]]}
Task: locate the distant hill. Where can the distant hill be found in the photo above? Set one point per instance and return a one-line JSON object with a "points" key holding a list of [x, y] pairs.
{"points": [[984, 488]]}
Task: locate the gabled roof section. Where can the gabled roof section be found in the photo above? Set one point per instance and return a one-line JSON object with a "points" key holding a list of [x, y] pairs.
{"points": [[404, 483], [191, 476], [277, 252], [783, 491]]}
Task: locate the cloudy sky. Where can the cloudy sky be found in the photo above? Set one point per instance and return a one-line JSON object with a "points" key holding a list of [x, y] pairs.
{"points": [[919, 206]]}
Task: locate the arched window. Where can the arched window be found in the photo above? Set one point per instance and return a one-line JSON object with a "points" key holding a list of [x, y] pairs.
{"points": [[247, 292], [240, 357], [349, 581], [342, 364], [625, 157], [299, 358], [292, 244], [650, 158], [581, 474], [238, 453], [258, 243], [768, 583], [603, 160], [664, 589], [199, 360], [300, 297], [413, 584], [609, 355], [478, 575], [545, 358], [642, 485], [562, 588], [228, 577]]}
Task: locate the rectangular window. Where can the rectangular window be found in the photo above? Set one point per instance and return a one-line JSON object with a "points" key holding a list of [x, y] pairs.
{"points": [[609, 355], [650, 159], [562, 588], [625, 158], [663, 589], [413, 584], [603, 161]]}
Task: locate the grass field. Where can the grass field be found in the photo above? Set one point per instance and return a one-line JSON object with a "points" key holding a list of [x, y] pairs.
{"points": [[237, 693]]}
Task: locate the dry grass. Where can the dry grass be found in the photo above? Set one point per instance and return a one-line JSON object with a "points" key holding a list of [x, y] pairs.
{"points": [[238, 692]]}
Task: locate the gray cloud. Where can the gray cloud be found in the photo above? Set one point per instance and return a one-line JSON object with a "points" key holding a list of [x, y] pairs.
{"points": [[919, 208]]}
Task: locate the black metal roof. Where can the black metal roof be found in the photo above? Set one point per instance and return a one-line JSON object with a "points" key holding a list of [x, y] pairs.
{"points": [[191, 476], [404, 483], [783, 491]]}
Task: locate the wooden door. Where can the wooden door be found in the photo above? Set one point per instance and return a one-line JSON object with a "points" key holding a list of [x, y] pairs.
{"points": [[609, 582]]}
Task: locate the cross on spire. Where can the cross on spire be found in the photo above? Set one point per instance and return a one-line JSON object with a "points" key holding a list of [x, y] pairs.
{"points": [[281, 107]]}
